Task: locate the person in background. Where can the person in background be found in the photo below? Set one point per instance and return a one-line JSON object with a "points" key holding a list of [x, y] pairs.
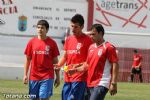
{"points": [[136, 66], [101, 64], [66, 34], [75, 52], [41, 53]]}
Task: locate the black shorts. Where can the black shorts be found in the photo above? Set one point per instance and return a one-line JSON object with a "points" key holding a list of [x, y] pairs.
{"points": [[136, 71]]}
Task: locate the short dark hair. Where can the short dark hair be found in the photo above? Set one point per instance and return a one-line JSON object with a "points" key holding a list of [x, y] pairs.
{"points": [[43, 23], [135, 51], [99, 28], [78, 18]]}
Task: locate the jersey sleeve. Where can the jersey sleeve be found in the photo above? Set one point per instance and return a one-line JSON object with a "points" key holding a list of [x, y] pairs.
{"points": [[28, 50], [112, 55]]}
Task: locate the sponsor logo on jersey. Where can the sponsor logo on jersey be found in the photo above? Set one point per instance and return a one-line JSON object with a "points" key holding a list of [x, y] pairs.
{"points": [[77, 51], [45, 52]]}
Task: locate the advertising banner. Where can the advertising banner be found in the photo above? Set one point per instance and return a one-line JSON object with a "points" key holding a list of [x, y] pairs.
{"points": [[19, 17], [123, 16]]}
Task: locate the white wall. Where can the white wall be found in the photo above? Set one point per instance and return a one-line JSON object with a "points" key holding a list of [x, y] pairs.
{"points": [[129, 41]]}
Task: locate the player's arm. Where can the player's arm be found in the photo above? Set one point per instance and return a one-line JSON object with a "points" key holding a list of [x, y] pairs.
{"points": [[57, 80], [83, 67], [26, 68], [78, 68], [140, 64], [61, 61], [113, 85]]}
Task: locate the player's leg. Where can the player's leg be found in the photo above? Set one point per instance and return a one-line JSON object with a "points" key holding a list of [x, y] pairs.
{"points": [[140, 75], [89, 91], [98, 93], [34, 90], [141, 79], [77, 91], [66, 90], [46, 89], [132, 74], [87, 94]]}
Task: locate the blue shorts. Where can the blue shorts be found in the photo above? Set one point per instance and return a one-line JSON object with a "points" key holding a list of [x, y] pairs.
{"points": [[97, 93], [41, 89], [73, 91]]}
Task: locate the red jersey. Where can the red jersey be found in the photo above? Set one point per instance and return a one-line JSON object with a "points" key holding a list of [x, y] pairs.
{"points": [[42, 53], [99, 60], [77, 49], [137, 58]]}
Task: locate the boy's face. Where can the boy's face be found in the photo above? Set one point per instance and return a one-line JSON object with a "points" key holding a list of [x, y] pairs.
{"points": [[76, 28], [41, 30]]}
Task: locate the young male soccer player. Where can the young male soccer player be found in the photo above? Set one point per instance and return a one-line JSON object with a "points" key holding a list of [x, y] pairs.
{"points": [[75, 52], [41, 53]]}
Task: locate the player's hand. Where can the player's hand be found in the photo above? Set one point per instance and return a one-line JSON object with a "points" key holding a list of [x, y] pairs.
{"points": [[76, 65], [57, 82], [113, 89], [57, 67], [25, 79], [72, 71]]}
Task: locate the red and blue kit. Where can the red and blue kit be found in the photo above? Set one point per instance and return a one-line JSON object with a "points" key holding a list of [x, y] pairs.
{"points": [[99, 61], [77, 49], [137, 58], [42, 53]]}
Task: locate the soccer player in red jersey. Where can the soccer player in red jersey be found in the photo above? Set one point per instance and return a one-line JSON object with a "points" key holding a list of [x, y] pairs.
{"points": [[101, 64], [136, 66], [75, 52], [41, 53]]}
